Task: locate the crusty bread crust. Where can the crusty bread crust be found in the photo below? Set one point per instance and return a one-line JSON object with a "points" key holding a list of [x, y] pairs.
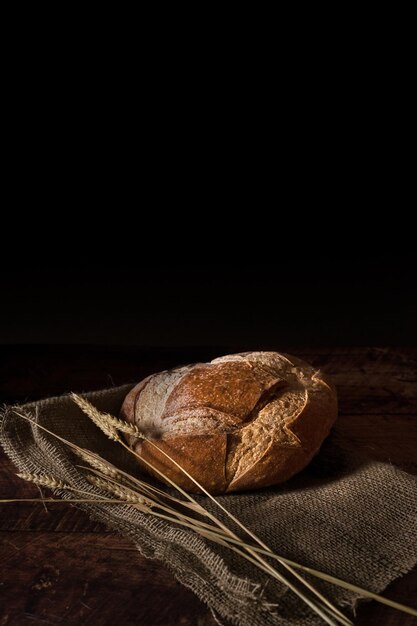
{"points": [[241, 422]]}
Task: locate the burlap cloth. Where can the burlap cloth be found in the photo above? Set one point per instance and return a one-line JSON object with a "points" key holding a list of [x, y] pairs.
{"points": [[347, 516]]}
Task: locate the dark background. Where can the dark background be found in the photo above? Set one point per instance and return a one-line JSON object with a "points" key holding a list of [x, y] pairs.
{"points": [[362, 298]]}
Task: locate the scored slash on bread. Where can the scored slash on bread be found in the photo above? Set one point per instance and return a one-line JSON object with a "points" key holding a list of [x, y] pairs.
{"points": [[240, 422]]}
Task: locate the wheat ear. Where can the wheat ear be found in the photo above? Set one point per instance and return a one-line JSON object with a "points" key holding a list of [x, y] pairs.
{"points": [[98, 463]]}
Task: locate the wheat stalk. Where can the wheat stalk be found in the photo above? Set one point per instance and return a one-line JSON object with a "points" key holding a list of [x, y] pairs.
{"points": [[108, 423], [60, 501], [44, 480], [100, 419], [98, 463], [128, 495], [216, 532], [50, 481]]}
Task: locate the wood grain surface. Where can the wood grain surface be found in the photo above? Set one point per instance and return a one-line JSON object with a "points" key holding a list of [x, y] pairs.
{"points": [[59, 567]]}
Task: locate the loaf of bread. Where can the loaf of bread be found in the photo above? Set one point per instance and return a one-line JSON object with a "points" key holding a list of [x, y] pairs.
{"points": [[240, 422]]}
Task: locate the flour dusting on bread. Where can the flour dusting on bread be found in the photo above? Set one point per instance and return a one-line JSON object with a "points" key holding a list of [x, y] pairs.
{"points": [[266, 413]]}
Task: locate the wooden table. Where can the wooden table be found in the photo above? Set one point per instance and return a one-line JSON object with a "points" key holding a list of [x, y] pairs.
{"points": [[58, 567]]}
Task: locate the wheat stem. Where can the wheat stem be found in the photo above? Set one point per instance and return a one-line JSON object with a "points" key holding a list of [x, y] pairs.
{"points": [[60, 501], [97, 463], [220, 532], [49, 481]]}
